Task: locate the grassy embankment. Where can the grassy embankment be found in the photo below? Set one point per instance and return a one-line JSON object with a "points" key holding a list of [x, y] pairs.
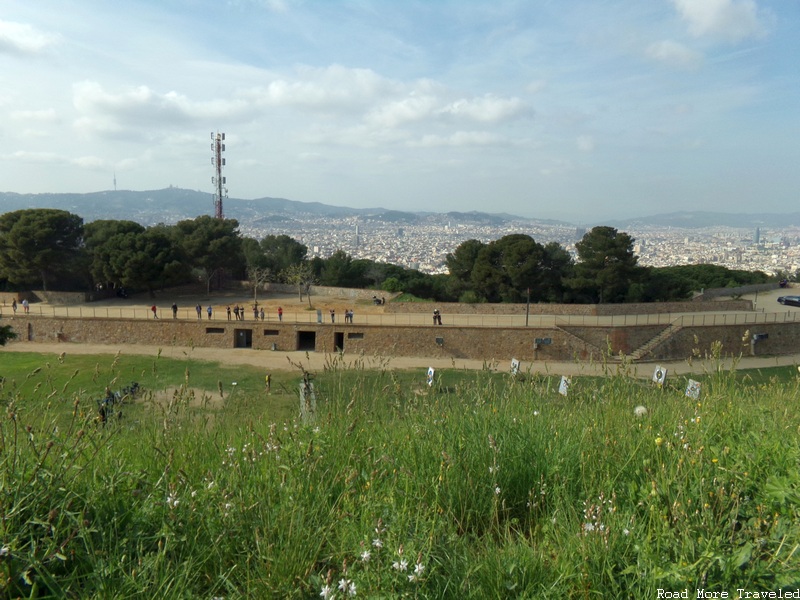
{"points": [[483, 486]]}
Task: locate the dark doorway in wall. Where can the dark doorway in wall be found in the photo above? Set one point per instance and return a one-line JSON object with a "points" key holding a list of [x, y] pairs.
{"points": [[243, 338], [338, 341], [307, 341]]}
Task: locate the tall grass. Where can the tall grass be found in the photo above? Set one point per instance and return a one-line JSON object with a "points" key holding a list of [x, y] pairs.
{"points": [[481, 486]]}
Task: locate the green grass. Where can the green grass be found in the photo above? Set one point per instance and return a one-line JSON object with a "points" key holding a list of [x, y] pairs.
{"points": [[407, 297], [481, 486]]}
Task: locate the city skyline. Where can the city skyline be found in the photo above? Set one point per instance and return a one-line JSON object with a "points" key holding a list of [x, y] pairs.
{"points": [[571, 110]]}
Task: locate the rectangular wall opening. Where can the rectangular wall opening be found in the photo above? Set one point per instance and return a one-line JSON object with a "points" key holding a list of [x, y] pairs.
{"points": [[243, 338], [307, 341]]}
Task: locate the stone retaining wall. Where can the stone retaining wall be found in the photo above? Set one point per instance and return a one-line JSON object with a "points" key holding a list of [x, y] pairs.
{"points": [[483, 343]]}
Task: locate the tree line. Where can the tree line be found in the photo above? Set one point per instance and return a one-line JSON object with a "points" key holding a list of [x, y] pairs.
{"points": [[55, 249]]}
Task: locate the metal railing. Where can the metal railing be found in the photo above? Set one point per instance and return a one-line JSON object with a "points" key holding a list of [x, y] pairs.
{"points": [[413, 319]]}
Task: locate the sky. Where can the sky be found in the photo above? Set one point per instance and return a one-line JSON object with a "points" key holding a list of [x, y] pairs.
{"points": [[580, 110]]}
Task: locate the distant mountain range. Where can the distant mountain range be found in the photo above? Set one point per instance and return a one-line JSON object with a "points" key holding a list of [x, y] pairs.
{"points": [[171, 205]]}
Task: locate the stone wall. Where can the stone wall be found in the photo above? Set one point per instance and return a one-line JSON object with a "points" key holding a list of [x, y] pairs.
{"points": [[483, 343], [331, 292], [62, 298]]}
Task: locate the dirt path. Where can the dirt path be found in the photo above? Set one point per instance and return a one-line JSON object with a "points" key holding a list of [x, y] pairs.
{"points": [[315, 361]]}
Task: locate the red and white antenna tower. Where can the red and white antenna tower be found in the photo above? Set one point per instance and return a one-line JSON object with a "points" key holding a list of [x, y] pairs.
{"points": [[220, 191]]}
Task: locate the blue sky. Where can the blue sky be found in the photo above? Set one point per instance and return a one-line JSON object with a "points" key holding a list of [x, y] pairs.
{"points": [[582, 110]]}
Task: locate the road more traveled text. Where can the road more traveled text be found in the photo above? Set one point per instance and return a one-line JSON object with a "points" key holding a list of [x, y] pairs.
{"points": [[738, 594]]}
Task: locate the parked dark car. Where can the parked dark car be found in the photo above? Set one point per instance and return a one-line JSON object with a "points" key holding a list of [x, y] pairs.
{"points": [[790, 300]]}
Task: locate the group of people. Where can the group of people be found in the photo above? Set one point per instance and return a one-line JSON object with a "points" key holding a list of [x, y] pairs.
{"points": [[25, 306], [348, 315], [198, 309], [238, 311]]}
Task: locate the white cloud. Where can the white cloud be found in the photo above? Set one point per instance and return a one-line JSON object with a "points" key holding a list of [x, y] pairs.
{"points": [[674, 54], [335, 88], [413, 108], [44, 116], [89, 162], [461, 138], [19, 38], [139, 107], [733, 20], [36, 157], [489, 109], [278, 6]]}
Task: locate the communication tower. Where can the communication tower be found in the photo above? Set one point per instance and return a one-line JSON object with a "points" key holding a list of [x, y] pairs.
{"points": [[220, 191]]}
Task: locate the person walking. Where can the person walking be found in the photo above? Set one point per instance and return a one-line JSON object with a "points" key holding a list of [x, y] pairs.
{"points": [[199, 310], [333, 315], [154, 308], [228, 310], [174, 310], [262, 313], [14, 305], [236, 311], [209, 310], [280, 313]]}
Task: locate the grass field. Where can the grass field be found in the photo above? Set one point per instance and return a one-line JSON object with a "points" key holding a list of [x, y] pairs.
{"points": [[483, 485]]}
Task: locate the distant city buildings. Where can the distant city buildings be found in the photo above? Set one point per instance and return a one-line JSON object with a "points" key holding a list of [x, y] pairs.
{"points": [[424, 245]]}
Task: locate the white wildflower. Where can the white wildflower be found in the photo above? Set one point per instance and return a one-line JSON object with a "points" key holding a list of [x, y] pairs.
{"points": [[365, 556], [377, 543], [400, 566]]}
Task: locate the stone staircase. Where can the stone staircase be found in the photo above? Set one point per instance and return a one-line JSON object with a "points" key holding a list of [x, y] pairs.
{"points": [[652, 344]]}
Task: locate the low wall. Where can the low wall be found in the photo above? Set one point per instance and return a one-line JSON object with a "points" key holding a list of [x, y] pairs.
{"points": [[713, 293], [482, 343], [593, 310], [63, 298], [332, 292]]}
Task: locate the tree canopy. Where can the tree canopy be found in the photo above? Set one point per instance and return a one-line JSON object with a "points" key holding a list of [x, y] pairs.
{"points": [[36, 245], [606, 266], [210, 245]]}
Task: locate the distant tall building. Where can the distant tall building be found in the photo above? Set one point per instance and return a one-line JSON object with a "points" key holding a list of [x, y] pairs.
{"points": [[358, 237], [757, 235]]}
